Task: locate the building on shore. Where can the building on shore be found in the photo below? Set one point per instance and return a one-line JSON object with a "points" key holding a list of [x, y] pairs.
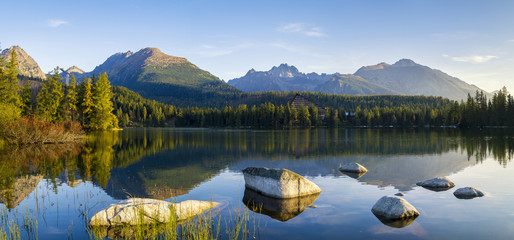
{"points": [[300, 100]]}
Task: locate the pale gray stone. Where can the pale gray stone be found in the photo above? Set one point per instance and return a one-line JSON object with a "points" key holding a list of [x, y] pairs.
{"points": [[437, 184], [393, 207], [353, 168], [135, 211], [468, 193], [278, 183]]}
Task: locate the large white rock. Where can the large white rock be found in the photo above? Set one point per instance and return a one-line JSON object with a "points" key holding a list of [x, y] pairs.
{"points": [[278, 183], [437, 184], [468, 193], [393, 207], [135, 211], [353, 168]]}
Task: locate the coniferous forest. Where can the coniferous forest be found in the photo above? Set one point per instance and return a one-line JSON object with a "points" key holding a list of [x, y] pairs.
{"points": [[57, 112], [274, 110]]}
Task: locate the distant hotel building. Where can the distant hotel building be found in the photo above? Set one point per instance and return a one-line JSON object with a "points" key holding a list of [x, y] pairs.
{"points": [[299, 100]]}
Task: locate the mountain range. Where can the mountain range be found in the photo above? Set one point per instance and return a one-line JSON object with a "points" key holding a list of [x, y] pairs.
{"points": [[175, 80], [404, 77]]}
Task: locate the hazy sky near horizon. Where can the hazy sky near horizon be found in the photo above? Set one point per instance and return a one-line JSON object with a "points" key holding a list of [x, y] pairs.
{"points": [[470, 40]]}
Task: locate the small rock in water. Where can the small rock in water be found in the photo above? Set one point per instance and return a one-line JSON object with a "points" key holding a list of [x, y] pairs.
{"points": [[353, 168], [400, 194], [392, 207], [278, 183], [437, 184], [468, 193]]}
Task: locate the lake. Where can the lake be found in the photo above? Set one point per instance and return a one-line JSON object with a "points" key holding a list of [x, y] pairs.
{"points": [[51, 191]]}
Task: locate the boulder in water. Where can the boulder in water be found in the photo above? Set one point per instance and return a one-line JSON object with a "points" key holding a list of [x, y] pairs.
{"points": [[278, 183]]}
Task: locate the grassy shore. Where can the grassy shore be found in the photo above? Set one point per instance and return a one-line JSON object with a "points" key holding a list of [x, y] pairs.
{"points": [[30, 130]]}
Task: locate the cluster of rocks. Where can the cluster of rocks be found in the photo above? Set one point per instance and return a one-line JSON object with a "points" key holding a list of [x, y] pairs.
{"points": [[443, 184], [278, 193]]}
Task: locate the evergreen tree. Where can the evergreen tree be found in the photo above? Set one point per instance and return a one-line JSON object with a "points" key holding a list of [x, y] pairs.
{"points": [[50, 98], [8, 110], [26, 98], [9, 89], [71, 100], [12, 75], [86, 103], [103, 117]]}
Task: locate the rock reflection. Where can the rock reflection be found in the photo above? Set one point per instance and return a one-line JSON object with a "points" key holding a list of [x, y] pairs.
{"points": [[396, 223], [353, 175], [280, 209]]}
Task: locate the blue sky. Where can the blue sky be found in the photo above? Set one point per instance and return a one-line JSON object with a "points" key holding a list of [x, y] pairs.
{"points": [[471, 40]]}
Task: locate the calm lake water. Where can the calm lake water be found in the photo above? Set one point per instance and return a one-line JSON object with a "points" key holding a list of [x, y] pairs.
{"points": [[55, 187]]}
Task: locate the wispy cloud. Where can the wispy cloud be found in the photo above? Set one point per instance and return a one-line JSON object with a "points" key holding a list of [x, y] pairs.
{"points": [[302, 28], [472, 59], [56, 23]]}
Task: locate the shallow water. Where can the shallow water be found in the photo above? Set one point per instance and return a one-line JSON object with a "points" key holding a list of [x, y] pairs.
{"points": [[60, 187]]}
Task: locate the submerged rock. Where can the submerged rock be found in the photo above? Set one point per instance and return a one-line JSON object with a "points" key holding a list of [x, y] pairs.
{"points": [[468, 193], [353, 168], [400, 194], [280, 209], [437, 184], [134, 211], [278, 183], [394, 209]]}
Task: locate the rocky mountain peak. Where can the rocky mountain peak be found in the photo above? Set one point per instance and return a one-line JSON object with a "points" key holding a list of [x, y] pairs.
{"points": [[285, 71], [154, 57], [75, 69], [251, 71], [379, 66], [26, 65], [405, 63]]}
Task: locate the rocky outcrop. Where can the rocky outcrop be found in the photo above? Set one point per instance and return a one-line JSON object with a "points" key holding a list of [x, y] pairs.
{"points": [[280, 209], [437, 184], [394, 211], [27, 67], [135, 211], [75, 69], [468, 193], [353, 168], [278, 183]]}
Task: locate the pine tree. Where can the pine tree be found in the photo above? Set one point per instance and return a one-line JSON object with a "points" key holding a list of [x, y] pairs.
{"points": [[103, 117], [86, 103], [50, 98], [71, 100], [12, 74], [26, 98]]}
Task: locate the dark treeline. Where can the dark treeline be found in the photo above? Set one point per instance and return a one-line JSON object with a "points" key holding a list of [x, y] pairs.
{"points": [[480, 111], [274, 110]]}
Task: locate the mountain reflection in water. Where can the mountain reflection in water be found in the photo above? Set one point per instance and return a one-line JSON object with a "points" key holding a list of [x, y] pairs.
{"points": [[161, 163]]}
